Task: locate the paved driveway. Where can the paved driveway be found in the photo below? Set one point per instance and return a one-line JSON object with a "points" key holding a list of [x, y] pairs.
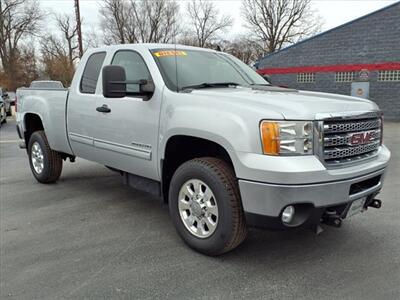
{"points": [[88, 236]]}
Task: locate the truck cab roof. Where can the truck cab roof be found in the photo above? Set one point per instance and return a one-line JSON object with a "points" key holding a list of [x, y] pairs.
{"points": [[148, 46]]}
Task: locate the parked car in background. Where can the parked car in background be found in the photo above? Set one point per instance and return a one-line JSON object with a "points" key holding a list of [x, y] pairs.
{"points": [[47, 84], [12, 96], [10, 102], [3, 114], [5, 96]]}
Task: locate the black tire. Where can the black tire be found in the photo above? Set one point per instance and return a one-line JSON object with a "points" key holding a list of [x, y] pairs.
{"points": [[52, 160], [9, 113], [231, 229]]}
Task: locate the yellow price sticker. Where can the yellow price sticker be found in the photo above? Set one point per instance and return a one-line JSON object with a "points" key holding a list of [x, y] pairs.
{"points": [[165, 53]]}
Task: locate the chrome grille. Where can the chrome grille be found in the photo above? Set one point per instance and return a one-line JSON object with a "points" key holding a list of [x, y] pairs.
{"points": [[358, 125], [347, 141]]}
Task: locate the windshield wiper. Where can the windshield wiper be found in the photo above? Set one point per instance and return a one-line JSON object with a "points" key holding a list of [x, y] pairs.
{"points": [[260, 84], [209, 85]]}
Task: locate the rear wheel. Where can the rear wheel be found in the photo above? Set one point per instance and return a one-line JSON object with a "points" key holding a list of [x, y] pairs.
{"points": [[45, 163], [205, 206]]}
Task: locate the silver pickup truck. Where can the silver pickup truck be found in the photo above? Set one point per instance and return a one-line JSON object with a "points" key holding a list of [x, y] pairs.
{"points": [[224, 148]]}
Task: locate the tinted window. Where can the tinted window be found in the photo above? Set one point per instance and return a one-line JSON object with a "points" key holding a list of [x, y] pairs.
{"points": [[91, 73], [181, 68], [135, 68]]}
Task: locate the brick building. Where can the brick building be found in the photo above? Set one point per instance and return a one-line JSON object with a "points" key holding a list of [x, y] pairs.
{"points": [[363, 55]]}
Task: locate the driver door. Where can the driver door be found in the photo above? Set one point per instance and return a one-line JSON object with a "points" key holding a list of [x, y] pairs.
{"points": [[126, 138]]}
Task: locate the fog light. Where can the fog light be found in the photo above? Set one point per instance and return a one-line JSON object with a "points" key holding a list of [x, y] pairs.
{"points": [[288, 214]]}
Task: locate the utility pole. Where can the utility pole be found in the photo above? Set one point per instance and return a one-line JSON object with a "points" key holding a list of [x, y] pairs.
{"points": [[78, 27]]}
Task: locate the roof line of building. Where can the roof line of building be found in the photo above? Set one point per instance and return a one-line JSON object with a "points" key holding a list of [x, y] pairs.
{"points": [[330, 30], [383, 66]]}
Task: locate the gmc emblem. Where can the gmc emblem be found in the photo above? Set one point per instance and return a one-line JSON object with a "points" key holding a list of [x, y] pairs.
{"points": [[361, 138]]}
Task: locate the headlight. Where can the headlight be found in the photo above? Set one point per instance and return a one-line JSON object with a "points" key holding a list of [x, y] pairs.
{"points": [[287, 137]]}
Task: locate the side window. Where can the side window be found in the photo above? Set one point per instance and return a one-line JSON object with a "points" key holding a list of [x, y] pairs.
{"points": [[91, 73], [135, 68]]}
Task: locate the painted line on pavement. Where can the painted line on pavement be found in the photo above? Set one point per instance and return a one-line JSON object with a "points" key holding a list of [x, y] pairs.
{"points": [[10, 141]]}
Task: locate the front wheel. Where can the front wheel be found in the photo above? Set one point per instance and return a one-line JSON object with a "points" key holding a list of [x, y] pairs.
{"points": [[205, 206], [46, 164]]}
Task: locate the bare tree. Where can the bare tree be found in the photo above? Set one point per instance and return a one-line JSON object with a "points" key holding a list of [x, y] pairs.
{"points": [[93, 39], [59, 53], [139, 21], [18, 19], [280, 22], [25, 69], [116, 22], [244, 48], [69, 32], [206, 22]]}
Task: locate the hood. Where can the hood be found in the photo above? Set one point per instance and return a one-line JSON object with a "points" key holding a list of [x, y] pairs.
{"points": [[291, 104]]}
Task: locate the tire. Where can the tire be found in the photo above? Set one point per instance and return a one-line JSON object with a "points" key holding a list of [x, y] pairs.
{"points": [[9, 113], [217, 176], [51, 166]]}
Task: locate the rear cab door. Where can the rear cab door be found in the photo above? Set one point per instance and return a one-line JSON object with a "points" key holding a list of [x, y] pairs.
{"points": [[81, 107]]}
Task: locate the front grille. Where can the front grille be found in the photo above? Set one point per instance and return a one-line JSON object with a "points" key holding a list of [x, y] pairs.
{"points": [[348, 141], [351, 126]]}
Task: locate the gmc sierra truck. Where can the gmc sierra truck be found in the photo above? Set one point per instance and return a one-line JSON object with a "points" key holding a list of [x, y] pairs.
{"points": [[224, 148]]}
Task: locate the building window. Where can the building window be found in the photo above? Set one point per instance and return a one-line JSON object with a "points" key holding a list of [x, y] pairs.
{"points": [[306, 77], [344, 76], [393, 75]]}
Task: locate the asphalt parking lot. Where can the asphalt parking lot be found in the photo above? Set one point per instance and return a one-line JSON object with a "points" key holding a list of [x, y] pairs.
{"points": [[88, 236]]}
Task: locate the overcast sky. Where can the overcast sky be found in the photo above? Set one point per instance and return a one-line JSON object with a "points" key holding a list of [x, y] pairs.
{"points": [[333, 12]]}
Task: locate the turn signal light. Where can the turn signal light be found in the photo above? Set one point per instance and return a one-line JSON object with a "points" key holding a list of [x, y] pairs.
{"points": [[270, 137]]}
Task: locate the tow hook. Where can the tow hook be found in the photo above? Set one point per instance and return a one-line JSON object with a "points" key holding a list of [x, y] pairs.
{"points": [[332, 219], [376, 203]]}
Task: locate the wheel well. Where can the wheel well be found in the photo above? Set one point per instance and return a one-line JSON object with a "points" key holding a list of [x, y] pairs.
{"points": [[32, 123], [182, 148]]}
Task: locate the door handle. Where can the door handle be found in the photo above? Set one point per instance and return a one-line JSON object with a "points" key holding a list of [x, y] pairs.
{"points": [[104, 109]]}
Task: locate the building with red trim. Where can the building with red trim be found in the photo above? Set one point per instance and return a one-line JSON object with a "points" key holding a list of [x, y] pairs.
{"points": [[360, 58]]}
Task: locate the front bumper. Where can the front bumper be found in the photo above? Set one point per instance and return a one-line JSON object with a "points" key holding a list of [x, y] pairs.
{"points": [[263, 203]]}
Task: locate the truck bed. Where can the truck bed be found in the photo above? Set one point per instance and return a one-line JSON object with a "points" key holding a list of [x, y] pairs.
{"points": [[50, 105]]}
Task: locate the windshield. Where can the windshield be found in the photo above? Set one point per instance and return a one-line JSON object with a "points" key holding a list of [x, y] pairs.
{"points": [[190, 68]]}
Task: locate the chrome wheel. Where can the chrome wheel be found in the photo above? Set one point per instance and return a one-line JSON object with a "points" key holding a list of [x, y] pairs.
{"points": [[198, 208], [37, 157]]}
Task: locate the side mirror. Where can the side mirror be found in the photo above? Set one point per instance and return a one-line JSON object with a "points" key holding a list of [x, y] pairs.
{"points": [[114, 82]]}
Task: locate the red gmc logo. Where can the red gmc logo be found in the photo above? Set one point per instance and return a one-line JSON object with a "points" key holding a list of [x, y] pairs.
{"points": [[361, 138]]}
